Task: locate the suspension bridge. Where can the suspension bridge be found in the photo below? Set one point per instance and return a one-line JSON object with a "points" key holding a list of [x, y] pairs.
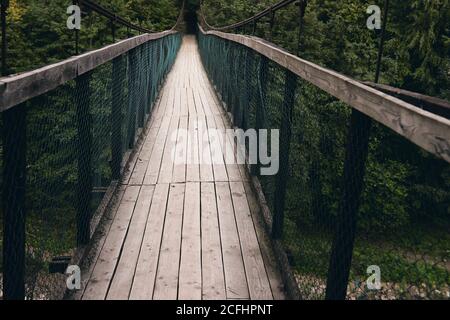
{"points": [[199, 230]]}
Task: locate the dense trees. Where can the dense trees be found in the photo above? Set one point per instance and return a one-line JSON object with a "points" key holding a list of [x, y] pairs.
{"points": [[417, 55], [406, 200], [416, 58], [405, 206], [38, 34]]}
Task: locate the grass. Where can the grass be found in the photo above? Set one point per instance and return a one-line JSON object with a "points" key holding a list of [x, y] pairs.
{"points": [[408, 262]]}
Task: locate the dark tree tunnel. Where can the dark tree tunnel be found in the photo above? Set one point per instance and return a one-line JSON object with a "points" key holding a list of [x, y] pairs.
{"points": [[190, 16]]}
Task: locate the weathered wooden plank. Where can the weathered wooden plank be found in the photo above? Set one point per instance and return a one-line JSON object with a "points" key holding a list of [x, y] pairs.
{"points": [[232, 167], [123, 277], [217, 155], [290, 283], [177, 97], [208, 99], [235, 278], [154, 165], [190, 278], [104, 269], [145, 274], [232, 145], [155, 121], [258, 282], [143, 159], [186, 241], [276, 283], [166, 285], [179, 169], [193, 167], [191, 103], [212, 269], [429, 131], [184, 103], [204, 151], [159, 111], [98, 242], [197, 100], [166, 171]]}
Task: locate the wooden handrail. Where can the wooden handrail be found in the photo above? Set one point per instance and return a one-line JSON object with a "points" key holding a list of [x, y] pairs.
{"points": [[18, 88], [427, 130], [434, 105]]}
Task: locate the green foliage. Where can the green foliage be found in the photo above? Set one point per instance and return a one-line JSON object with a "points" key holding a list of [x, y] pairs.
{"points": [[405, 205], [417, 51], [38, 34]]}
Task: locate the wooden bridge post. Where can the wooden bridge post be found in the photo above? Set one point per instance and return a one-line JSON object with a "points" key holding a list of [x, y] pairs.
{"points": [[132, 98], [140, 86], [221, 57], [215, 66], [354, 169], [153, 84], [14, 180], [226, 74], [222, 72], [118, 76], [260, 104], [159, 62], [240, 87], [84, 149], [247, 87], [235, 85], [148, 79], [290, 86], [230, 74]]}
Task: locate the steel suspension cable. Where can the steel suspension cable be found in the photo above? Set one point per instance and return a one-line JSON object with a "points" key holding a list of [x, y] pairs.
{"points": [[268, 11]]}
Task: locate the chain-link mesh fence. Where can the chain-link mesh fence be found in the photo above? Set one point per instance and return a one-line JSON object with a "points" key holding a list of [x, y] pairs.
{"points": [[76, 139], [402, 225]]}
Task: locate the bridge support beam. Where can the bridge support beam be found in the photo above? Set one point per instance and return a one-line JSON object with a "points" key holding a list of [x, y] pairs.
{"points": [[132, 98], [84, 149], [290, 86], [261, 97], [354, 169], [14, 179], [141, 88], [118, 94]]}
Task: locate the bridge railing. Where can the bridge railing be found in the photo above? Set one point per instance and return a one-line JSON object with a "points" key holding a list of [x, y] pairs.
{"points": [[68, 131], [362, 188]]}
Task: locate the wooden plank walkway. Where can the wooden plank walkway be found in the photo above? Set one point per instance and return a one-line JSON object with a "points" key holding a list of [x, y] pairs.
{"points": [[184, 231]]}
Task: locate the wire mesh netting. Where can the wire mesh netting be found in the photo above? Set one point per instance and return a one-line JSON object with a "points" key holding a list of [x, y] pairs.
{"points": [[75, 135], [403, 223]]}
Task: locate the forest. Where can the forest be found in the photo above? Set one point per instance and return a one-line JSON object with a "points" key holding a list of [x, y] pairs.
{"points": [[404, 217], [38, 36]]}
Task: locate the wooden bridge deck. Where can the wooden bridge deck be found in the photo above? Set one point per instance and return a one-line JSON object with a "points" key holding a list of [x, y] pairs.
{"points": [[184, 231]]}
